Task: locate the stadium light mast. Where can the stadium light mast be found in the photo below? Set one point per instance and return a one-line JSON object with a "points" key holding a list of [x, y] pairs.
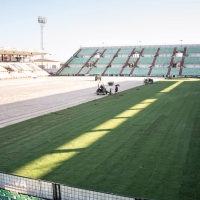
{"points": [[42, 21]]}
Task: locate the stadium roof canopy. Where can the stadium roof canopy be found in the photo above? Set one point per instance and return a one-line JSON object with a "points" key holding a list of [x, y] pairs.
{"points": [[20, 51]]}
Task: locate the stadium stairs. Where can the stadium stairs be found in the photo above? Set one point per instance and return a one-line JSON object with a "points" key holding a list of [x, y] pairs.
{"points": [[127, 62], [150, 70], [87, 61], [99, 57], [183, 60], [68, 61], [110, 63], [135, 65], [153, 63], [169, 71]]}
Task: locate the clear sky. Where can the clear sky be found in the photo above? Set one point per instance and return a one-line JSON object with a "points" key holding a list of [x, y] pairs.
{"points": [[71, 24]]}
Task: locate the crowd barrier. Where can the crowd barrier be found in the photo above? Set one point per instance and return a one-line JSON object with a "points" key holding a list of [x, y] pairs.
{"points": [[53, 191]]}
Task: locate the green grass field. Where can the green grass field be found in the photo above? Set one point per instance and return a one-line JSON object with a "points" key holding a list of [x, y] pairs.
{"points": [[142, 142]]}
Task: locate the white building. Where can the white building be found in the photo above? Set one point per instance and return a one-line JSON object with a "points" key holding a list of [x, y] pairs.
{"points": [[50, 66]]}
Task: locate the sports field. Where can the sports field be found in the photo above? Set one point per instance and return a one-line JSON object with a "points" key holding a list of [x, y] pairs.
{"points": [[140, 142]]}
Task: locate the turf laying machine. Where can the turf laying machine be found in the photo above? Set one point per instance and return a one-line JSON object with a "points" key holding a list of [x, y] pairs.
{"points": [[148, 81], [101, 89]]}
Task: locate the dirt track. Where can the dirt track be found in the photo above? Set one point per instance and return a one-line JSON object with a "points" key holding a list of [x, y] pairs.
{"points": [[23, 99]]}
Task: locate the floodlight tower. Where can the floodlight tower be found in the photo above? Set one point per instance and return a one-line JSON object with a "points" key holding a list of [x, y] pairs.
{"points": [[42, 21]]}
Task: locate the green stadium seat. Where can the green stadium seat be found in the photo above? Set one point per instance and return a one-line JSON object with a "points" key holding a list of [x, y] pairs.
{"points": [[150, 50], [87, 51], [14, 193], [81, 61], [4, 198], [177, 59], [159, 71], [127, 70], [192, 60], [145, 61], [125, 51], [166, 50], [25, 197], [191, 71], [163, 61], [113, 70], [100, 50], [5, 192], [1, 193], [174, 71], [84, 70], [120, 60], [111, 51], [143, 71], [180, 48], [70, 70], [138, 49], [93, 59], [35, 198], [104, 60], [193, 49], [133, 59], [97, 70]]}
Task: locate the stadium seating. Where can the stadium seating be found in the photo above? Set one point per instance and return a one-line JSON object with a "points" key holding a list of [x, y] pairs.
{"points": [[97, 70], [125, 51], [174, 71], [166, 50], [190, 71], [143, 71], [70, 70], [133, 59], [88, 51], [119, 60], [180, 48], [127, 71], [150, 50], [159, 71], [192, 61], [84, 70], [93, 59], [145, 61], [138, 49], [113, 70], [193, 50], [20, 70], [78, 62], [100, 50], [103, 62], [161, 61], [177, 59], [4, 74], [111, 50], [11, 195]]}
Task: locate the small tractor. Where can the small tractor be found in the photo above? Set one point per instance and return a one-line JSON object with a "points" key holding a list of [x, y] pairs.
{"points": [[148, 81], [101, 89]]}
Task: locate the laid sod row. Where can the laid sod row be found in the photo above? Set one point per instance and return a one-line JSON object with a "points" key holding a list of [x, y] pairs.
{"points": [[142, 142]]}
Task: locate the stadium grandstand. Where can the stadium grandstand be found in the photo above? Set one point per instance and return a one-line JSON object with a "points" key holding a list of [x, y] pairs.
{"points": [[17, 63], [163, 60]]}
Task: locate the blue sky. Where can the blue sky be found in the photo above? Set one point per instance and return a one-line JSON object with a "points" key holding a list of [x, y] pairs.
{"points": [[71, 24]]}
